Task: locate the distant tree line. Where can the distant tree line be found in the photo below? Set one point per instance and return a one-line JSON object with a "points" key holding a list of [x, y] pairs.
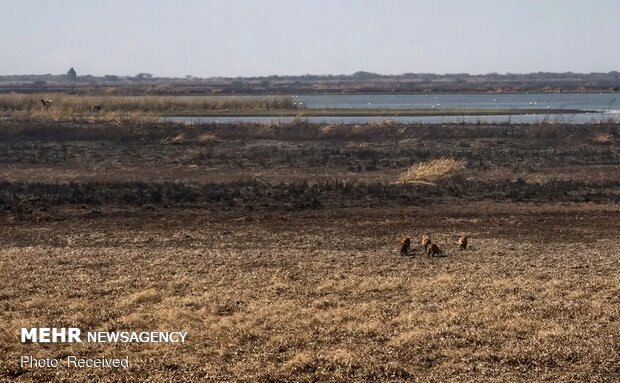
{"points": [[359, 82]]}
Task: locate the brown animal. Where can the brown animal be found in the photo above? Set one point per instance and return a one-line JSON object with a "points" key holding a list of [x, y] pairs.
{"points": [[426, 241], [433, 250], [405, 243], [462, 242]]}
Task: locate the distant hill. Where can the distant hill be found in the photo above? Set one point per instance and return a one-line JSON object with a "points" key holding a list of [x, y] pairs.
{"points": [[356, 83]]}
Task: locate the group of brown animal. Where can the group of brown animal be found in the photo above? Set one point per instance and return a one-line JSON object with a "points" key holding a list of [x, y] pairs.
{"points": [[432, 249]]}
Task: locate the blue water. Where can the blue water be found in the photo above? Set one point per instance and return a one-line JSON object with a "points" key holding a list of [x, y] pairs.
{"points": [[579, 101], [602, 107]]}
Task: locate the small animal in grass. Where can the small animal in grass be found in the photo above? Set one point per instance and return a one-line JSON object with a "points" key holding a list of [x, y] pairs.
{"points": [[462, 242], [426, 241], [46, 102], [433, 250], [405, 243], [96, 108]]}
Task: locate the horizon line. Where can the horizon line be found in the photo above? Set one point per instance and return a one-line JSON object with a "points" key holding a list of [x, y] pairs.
{"points": [[360, 72]]}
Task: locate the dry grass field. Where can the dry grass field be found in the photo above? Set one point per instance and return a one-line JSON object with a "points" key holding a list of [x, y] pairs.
{"points": [[279, 253]]}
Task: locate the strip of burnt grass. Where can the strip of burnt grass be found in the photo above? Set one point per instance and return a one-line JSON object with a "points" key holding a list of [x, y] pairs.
{"points": [[59, 131], [29, 197]]}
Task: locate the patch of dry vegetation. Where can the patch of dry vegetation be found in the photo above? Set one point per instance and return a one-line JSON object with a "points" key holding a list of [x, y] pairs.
{"points": [[603, 139], [65, 107], [64, 115], [434, 171]]}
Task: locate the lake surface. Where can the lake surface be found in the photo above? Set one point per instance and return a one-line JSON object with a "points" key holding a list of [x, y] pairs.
{"points": [[581, 101], [606, 107]]}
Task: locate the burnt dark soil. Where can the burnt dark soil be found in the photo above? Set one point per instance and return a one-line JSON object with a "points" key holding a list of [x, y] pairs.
{"points": [[276, 248]]}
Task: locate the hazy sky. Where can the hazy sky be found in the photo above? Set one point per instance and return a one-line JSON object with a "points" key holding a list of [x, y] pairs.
{"points": [[245, 38]]}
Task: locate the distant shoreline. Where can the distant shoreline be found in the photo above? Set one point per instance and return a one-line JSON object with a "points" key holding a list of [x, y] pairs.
{"points": [[356, 83], [137, 92], [327, 112]]}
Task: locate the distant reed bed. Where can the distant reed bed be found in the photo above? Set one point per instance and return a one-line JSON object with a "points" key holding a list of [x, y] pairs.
{"points": [[65, 106]]}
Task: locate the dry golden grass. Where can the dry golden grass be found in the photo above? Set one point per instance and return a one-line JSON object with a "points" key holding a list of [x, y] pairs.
{"points": [[321, 296], [68, 107], [433, 171], [603, 139], [60, 115]]}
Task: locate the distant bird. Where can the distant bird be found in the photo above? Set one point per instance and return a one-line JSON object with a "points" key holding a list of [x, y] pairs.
{"points": [[405, 243], [434, 250], [426, 241], [46, 102], [462, 242]]}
